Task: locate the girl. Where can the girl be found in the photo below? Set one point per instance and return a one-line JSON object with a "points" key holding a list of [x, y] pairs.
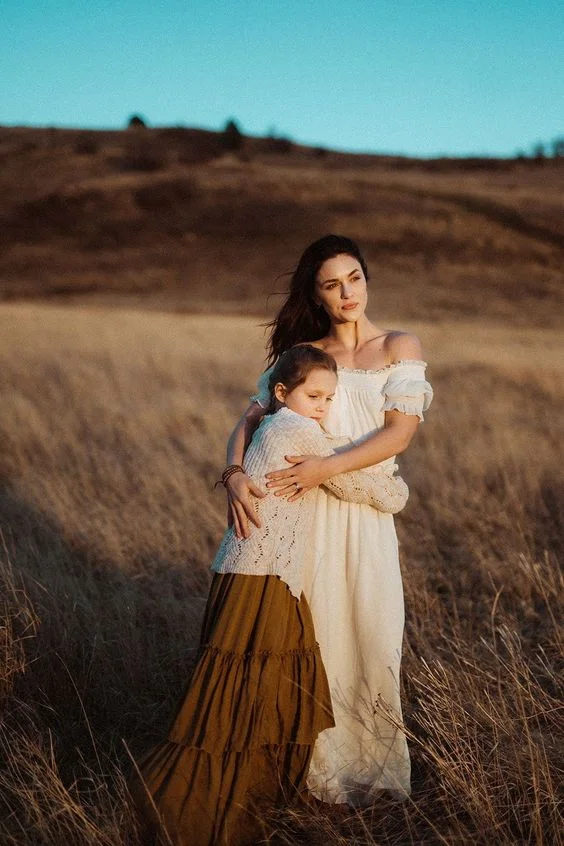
{"points": [[243, 735]]}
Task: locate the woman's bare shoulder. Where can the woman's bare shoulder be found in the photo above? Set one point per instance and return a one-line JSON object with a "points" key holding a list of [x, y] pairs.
{"points": [[402, 345]]}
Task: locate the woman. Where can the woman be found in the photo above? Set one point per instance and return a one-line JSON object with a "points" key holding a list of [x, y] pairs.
{"points": [[243, 735], [353, 580]]}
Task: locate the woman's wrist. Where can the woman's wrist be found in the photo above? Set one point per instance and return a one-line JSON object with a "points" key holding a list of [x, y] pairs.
{"points": [[229, 471], [333, 465]]}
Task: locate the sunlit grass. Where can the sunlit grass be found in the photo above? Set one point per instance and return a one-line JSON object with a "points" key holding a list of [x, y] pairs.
{"points": [[113, 427]]}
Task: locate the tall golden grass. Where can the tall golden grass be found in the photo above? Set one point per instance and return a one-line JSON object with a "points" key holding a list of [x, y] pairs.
{"points": [[112, 432]]}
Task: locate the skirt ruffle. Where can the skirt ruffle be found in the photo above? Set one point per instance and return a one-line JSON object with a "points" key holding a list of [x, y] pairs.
{"points": [[243, 735]]}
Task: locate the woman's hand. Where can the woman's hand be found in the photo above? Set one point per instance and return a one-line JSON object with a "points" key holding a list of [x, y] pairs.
{"points": [[307, 472], [241, 506]]}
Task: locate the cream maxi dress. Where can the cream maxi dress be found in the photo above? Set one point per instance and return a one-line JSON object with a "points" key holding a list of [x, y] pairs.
{"points": [[354, 589]]}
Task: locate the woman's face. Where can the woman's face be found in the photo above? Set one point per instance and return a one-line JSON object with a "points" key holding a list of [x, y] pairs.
{"points": [[340, 288], [313, 397]]}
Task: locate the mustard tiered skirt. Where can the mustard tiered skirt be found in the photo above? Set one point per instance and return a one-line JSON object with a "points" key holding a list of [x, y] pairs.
{"points": [[243, 736]]}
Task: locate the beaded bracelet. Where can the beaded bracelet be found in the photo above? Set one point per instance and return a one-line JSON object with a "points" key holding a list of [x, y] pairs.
{"points": [[227, 473]]}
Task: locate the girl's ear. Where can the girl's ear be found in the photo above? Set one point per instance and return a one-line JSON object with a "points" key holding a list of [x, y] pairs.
{"points": [[280, 392]]}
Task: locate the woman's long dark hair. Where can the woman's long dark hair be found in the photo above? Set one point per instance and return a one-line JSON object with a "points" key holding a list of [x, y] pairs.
{"points": [[299, 318]]}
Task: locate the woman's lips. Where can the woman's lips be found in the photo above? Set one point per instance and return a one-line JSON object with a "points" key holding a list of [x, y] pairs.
{"points": [[350, 306]]}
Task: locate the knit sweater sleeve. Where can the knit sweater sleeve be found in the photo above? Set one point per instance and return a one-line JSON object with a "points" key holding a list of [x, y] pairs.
{"points": [[372, 486]]}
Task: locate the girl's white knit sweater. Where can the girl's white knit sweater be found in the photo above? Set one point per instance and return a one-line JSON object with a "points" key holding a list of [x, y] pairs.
{"points": [[278, 547]]}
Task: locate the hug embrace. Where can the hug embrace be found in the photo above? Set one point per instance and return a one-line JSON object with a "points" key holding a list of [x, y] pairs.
{"points": [[295, 695]]}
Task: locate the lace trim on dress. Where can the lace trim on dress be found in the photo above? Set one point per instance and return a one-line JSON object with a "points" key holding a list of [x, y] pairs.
{"points": [[262, 395], [386, 367]]}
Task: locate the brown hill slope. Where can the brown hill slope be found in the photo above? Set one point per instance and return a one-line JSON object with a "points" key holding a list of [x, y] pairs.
{"points": [[170, 218]]}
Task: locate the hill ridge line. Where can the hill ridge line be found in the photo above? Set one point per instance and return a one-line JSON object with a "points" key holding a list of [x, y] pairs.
{"points": [[496, 212]]}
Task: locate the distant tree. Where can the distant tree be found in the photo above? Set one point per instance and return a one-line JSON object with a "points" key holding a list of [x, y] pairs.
{"points": [[136, 122], [232, 138], [558, 147], [539, 151]]}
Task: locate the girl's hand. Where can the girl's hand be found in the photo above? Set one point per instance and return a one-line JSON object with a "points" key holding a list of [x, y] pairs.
{"points": [[241, 505], [308, 472]]}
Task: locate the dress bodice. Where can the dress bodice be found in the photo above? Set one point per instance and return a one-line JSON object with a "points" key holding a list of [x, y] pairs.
{"points": [[363, 396]]}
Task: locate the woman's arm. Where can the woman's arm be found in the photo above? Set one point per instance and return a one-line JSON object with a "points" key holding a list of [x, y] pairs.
{"points": [[311, 470], [375, 486], [242, 434], [240, 489], [394, 438]]}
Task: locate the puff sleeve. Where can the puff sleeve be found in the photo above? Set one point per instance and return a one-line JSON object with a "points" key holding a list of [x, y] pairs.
{"points": [[262, 395], [406, 389]]}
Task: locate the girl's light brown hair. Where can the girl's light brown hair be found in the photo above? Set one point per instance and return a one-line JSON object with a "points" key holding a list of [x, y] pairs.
{"points": [[294, 366]]}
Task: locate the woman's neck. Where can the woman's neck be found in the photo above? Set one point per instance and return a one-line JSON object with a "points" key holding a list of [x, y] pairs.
{"points": [[351, 337]]}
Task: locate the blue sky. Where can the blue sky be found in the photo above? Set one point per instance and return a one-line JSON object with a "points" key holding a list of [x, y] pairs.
{"points": [[422, 77]]}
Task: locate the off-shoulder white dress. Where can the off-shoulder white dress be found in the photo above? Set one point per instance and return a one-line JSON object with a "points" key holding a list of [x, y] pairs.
{"points": [[353, 585]]}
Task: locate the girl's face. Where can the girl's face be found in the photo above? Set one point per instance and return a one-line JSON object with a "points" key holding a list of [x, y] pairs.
{"points": [[340, 288], [313, 397]]}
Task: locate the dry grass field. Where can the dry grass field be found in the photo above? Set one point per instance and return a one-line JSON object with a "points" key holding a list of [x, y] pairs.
{"points": [[112, 432]]}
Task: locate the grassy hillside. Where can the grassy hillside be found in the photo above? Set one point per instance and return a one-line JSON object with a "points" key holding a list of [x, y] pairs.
{"points": [[168, 219], [113, 425]]}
